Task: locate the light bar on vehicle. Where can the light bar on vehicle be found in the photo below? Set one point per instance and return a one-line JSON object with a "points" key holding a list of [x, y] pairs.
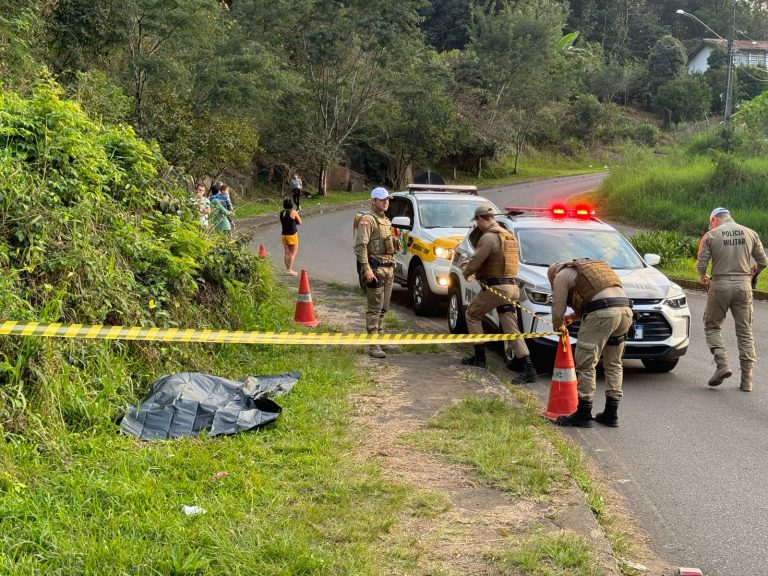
{"points": [[455, 188], [558, 211]]}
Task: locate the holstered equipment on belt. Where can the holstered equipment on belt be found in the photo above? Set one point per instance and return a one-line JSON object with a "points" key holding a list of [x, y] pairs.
{"points": [[593, 277], [504, 263], [505, 308], [616, 340]]}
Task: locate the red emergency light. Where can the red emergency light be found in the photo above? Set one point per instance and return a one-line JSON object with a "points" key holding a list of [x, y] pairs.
{"points": [[557, 211]]}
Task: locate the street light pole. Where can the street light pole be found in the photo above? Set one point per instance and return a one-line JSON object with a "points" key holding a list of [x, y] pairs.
{"points": [[729, 81]]}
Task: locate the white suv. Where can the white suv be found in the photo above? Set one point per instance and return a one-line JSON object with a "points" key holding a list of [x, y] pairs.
{"points": [[661, 330], [430, 220]]}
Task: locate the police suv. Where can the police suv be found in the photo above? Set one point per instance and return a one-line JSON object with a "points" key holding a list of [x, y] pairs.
{"points": [[661, 329], [430, 220]]}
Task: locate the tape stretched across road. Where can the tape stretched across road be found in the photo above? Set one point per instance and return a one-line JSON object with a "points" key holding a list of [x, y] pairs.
{"points": [[98, 332]]}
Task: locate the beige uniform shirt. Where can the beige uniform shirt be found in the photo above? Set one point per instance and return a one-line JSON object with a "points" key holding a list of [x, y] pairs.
{"points": [[564, 282], [732, 248], [367, 231], [488, 244]]}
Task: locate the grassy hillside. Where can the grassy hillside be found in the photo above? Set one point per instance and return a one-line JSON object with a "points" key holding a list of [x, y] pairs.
{"points": [[677, 190]]}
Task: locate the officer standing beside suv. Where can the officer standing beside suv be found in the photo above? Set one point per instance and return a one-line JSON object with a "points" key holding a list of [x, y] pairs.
{"points": [[595, 293], [375, 248], [494, 264], [731, 247]]}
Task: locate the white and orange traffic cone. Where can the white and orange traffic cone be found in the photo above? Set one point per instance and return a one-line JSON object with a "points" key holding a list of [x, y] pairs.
{"points": [[563, 394], [305, 310], [262, 251]]}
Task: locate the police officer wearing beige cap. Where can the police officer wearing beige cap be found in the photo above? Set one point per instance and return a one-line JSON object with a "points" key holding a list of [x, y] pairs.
{"points": [[732, 248], [375, 247], [494, 264]]}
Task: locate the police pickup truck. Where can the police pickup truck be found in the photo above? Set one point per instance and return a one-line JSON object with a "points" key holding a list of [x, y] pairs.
{"points": [[430, 220]]}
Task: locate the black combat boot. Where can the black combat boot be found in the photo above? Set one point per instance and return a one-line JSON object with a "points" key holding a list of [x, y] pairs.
{"points": [[609, 416], [476, 359], [582, 418], [528, 374]]}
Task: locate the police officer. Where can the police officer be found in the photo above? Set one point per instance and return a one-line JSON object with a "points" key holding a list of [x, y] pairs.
{"points": [[595, 293], [494, 264], [375, 248], [731, 247]]}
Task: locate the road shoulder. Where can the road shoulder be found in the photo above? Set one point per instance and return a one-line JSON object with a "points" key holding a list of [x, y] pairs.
{"points": [[478, 524]]}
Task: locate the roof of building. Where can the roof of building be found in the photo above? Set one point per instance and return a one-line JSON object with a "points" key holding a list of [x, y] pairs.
{"points": [[743, 45]]}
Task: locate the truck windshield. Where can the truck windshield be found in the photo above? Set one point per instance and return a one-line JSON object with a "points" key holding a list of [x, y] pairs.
{"points": [[542, 247], [442, 214]]}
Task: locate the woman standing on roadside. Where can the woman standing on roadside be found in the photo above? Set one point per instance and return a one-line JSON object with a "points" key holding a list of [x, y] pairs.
{"points": [[290, 220]]}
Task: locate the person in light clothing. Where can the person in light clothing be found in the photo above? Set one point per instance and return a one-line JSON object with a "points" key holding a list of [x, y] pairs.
{"points": [[737, 256]]}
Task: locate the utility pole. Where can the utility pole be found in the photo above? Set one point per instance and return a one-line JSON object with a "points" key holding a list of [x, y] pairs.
{"points": [[729, 81]]}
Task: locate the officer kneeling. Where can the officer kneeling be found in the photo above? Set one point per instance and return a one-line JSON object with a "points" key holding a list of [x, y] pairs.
{"points": [[594, 292]]}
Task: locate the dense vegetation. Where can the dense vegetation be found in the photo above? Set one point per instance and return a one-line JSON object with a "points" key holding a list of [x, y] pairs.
{"points": [[384, 87]]}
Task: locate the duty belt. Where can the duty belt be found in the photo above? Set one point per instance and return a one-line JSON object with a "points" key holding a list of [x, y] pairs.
{"points": [[498, 281], [381, 264], [601, 303]]}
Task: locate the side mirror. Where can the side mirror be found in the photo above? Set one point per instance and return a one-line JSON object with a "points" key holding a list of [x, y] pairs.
{"points": [[402, 222], [652, 259]]}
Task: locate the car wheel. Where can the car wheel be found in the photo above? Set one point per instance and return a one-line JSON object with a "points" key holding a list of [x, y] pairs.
{"points": [[421, 296], [457, 322], [360, 280], [653, 365]]}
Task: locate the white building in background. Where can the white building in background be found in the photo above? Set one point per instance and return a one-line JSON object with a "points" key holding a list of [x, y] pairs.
{"points": [[748, 52]]}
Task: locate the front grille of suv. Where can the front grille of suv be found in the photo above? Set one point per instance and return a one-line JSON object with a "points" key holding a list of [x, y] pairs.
{"points": [[655, 327]]}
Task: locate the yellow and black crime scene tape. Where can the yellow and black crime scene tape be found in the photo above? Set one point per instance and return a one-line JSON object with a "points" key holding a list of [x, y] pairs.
{"points": [[99, 332]]}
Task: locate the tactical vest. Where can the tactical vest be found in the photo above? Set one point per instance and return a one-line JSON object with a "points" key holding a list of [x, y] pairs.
{"points": [[504, 263], [381, 243], [593, 277]]}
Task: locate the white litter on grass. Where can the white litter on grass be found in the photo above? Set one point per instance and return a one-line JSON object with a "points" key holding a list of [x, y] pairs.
{"points": [[633, 565], [194, 510]]}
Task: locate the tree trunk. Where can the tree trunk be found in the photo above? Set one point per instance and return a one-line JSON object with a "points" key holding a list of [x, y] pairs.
{"points": [[321, 181], [480, 167], [455, 176]]}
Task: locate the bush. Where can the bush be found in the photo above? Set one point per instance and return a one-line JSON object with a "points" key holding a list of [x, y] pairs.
{"points": [[90, 233], [668, 244]]}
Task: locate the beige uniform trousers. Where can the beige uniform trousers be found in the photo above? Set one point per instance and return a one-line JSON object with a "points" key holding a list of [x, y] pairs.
{"points": [[486, 301], [592, 342], [734, 295], [378, 300]]}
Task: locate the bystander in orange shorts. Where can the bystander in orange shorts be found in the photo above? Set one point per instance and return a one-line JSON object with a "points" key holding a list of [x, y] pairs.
{"points": [[290, 240]]}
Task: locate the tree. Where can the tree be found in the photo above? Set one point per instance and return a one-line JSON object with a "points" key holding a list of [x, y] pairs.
{"points": [[684, 98], [21, 27], [344, 58], [416, 124], [513, 50], [666, 62]]}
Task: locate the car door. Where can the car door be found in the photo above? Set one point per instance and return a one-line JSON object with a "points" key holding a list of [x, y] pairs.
{"points": [[399, 206]]}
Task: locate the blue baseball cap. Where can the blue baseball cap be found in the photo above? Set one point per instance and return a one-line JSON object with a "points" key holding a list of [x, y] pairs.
{"points": [[379, 193]]}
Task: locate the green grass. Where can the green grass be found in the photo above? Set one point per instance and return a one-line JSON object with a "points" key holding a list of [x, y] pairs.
{"points": [[269, 204], [553, 554], [501, 442], [536, 164], [677, 191], [287, 499], [685, 269]]}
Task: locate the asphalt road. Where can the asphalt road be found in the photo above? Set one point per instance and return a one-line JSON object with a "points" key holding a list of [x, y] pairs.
{"points": [[689, 459]]}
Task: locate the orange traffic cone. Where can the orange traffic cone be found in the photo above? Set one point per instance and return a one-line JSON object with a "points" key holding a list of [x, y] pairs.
{"points": [[305, 311], [563, 396], [262, 251]]}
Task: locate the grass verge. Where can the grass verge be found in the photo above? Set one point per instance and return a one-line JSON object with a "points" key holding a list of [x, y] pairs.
{"points": [[288, 499], [256, 206]]}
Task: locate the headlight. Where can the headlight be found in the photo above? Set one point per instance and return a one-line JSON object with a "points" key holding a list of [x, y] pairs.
{"points": [[446, 253], [540, 298], [676, 297]]}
